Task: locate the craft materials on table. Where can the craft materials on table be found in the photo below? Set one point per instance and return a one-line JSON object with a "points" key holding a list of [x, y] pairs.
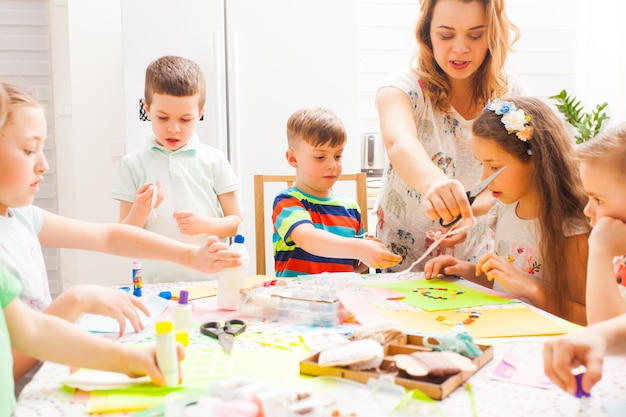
{"points": [[438, 294], [225, 333], [515, 321]]}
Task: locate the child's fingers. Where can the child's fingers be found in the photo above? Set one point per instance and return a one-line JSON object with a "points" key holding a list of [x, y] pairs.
{"points": [[136, 301]]}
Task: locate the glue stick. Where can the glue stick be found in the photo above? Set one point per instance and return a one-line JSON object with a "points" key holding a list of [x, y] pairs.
{"points": [[167, 358], [182, 318]]}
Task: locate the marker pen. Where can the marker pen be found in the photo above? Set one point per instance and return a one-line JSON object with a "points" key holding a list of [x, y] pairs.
{"points": [[166, 356]]}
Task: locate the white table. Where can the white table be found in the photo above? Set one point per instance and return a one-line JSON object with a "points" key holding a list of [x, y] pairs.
{"points": [[45, 397]]}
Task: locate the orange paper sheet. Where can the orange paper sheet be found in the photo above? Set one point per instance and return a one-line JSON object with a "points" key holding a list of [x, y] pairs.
{"points": [[502, 322]]}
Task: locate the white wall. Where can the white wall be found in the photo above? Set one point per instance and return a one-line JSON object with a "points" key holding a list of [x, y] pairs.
{"points": [[87, 70]]}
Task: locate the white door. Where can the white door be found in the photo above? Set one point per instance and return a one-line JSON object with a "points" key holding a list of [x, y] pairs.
{"points": [[283, 55]]}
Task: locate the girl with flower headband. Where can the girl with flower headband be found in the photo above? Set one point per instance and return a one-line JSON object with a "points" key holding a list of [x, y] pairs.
{"points": [[540, 229], [426, 113]]}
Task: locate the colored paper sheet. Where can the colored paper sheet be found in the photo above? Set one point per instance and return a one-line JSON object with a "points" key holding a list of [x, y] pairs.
{"points": [[104, 324], [198, 291], [468, 298], [202, 365], [501, 322]]}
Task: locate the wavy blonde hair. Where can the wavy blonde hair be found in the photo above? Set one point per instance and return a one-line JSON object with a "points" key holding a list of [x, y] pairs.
{"points": [[12, 96], [490, 80]]}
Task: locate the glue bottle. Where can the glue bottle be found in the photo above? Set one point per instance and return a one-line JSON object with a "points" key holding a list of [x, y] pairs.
{"points": [[137, 280], [166, 355], [232, 279], [182, 315]]}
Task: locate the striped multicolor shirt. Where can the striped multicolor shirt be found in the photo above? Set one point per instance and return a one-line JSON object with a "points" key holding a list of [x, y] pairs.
{"points": [[337, 214]]}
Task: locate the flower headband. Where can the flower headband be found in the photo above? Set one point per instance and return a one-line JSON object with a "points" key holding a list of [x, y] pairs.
{"points": [[514, 120]]}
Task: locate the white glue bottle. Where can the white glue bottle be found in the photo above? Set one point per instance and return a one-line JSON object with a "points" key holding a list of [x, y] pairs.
{"points": [[232, 280], [182, 316], [166, 355]]}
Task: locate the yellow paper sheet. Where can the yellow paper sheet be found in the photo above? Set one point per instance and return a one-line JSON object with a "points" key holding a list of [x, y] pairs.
{"points": [[199, 291], [501, 322]]}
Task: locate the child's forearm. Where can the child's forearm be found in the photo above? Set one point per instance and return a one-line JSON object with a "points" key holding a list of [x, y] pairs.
{"points": [[137, 216], [603, 299], [49, 338], [326, 244], [614, 333], [223, 226]]}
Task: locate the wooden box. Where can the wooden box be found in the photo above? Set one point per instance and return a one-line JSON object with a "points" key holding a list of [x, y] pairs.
{"points": [[408, 344]]}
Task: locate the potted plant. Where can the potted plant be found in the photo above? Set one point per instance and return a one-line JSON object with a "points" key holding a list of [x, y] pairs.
{"points": [[587, 125]]}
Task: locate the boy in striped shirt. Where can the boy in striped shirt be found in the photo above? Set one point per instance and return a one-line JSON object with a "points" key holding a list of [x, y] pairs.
{"points": [[316, 230]]}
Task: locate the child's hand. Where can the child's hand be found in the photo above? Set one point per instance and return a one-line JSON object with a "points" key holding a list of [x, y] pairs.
{"points": [[498, 268], [445, 264], [214, 256], [142, 361], [112, 302], [561, 354], [376, 255], [145, 197], [190, 223], [609, 235]]}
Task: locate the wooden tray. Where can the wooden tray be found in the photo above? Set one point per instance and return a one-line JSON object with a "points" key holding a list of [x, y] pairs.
{"points": [[438, 389]]}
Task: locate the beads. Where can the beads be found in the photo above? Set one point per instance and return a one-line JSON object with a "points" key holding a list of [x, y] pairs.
{"points": [[428, 292]]}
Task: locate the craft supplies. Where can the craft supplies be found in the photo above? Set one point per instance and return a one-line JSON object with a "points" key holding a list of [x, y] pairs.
{"points": [[137, 278], [357, 355], [456, 340], [231, 280], [387, 369], [166, 354], [182, 316]]}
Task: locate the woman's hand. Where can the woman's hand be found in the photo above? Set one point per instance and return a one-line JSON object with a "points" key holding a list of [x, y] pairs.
{"points": [[446, 199]]}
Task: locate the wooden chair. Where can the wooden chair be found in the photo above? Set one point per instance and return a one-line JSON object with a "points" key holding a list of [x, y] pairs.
{"points": [[259, 207]]}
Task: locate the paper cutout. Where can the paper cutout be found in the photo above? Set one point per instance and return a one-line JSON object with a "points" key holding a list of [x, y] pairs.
{"points": [[198, 291], [274, 338], [360, 306], [91, 380], [469, 298], [522, 371], [318, 341], [500, 322], [103, 324]]}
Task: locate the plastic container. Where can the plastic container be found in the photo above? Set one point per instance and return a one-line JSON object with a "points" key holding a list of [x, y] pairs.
{"points": [[137, 279], [167, 358], [182, 315], [231, 280]]}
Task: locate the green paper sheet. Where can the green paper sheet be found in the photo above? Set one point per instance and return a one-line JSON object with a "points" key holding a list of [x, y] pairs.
{"points": [[202, 367], [469, 298]]}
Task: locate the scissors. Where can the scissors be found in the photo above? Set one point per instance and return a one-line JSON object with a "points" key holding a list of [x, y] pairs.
{"points": [[226, 333], [473, 193]]}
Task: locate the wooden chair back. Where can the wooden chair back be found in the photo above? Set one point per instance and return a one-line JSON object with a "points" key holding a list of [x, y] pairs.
{"points": [[259, 207]]}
